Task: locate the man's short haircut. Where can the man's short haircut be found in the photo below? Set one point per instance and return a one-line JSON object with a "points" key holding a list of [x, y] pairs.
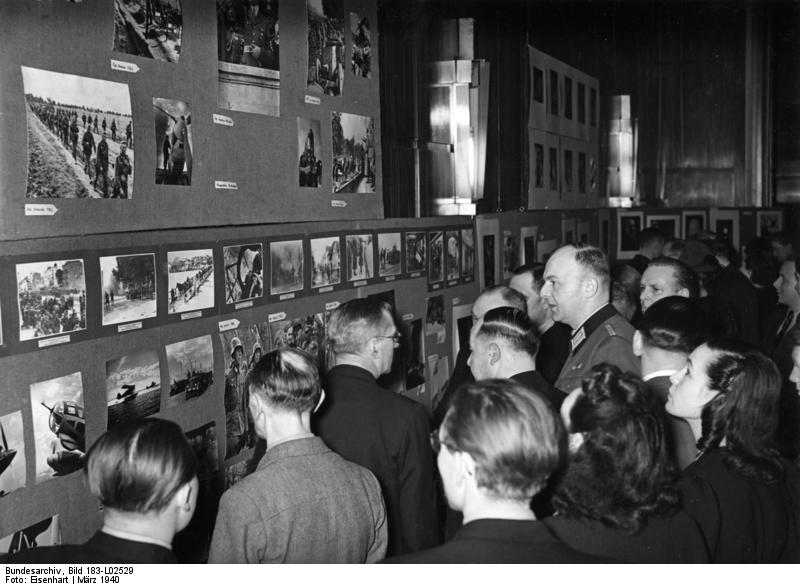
{"points": [[684, 275], [139, 466], [510, 297], [513, 326], [515, 438], [649, 236], [354, 323], [534, 270], [781, 238], [593, 260], [675, 324], [287, 379]]}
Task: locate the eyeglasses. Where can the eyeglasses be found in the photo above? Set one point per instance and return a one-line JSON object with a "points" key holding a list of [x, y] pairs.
{"points": [[395, 338]]}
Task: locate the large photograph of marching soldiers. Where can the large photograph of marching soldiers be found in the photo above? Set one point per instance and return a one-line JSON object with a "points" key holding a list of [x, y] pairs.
{"points": [[148, 28], [80, 136]]}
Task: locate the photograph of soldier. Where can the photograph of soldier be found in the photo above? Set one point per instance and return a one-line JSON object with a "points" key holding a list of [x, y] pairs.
{"points": [[360, 59], [148, 28], [325, 47], [133, 387], [243, 272], [326, 262], [12, 453], [40, 534], [353, 169], [360, 256], [128, 287], [629, 228], [191, 369], [467, 254], [52, 298], [453, 257], [68, 157], [437, 257], [416, 251], [286, 266], [310, 152], [173, 122], [190, 275], [389, 254]]}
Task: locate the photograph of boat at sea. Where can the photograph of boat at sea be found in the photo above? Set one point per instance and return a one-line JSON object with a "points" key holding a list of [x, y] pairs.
{"points": [[133, 387]]}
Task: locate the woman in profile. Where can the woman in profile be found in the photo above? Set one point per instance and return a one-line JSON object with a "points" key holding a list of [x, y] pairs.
{"points": [[744, 495], [617, 497], [145, 475]]}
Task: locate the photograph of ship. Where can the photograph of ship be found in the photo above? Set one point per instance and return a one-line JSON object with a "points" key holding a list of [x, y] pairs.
{"points": [[353, 138], [306, 333], [326, 262], [80, 136], [437, 258], [452, 262], [59, 426], [133, 387], [128, 287], [361, 60], [286, 266], [174, 145], [191, 368], [325, 47], [467, 254], [12, 453], [389, 254], [360, 256], [243, 272], [148, 28], [415, 251], [52, 298], [41, 534], [191, 280]]}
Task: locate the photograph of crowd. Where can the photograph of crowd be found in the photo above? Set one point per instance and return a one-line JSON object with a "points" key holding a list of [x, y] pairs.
{"points": [[360, 256], [128, 288], [80, 136], [353, 168], [190, 364], [148, 28], [286, 266], [416, 253], [389, 248], [190, 276], [243, 272], [133, 387], [59, 426], [326, 262], [467, 254], [52, 298], [325, 47], [453, 258], [310, 152], [437, 257], [360, 43], [306, 333], [12, 453], [174, 147], [40, 534]]}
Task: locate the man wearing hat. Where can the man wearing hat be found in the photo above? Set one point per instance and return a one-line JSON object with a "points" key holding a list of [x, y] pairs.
{"points": [[236, 423], [122, 168]]}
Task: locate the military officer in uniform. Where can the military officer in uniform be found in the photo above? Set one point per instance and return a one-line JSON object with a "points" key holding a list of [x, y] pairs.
{"points": [[260, 32]]}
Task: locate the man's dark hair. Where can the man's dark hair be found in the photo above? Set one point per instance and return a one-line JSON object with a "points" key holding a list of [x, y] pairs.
{"points": [[510, 296], [650, 236], [675, 324], [781, 238], [684, 275], [534, 270], [287, 379]]}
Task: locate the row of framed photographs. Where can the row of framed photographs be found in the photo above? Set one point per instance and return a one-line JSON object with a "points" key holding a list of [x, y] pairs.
{"points": [[560, 167], [66, 297]]}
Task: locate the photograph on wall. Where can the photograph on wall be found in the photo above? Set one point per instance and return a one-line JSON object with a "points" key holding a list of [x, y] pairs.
{"points": [[360, 59], [581, 172], [326, 261], [191, 369], [509, 254], [243, 265], [668, 225], [434, 315], [545, 249], [553, 91], [353, 139], [174, 145], [325, 47], [309, 133], [52, 298], [415, 364], [437, 377], [243, 347], [437, 257], [286, 266], [128, 287], [248, 56], [553, 158], [416, 252], [568, 170], [306, 333], [528, 235], [583, 232], [41, 534], [467, 255], [12, 453], [360, 257], [629, 224], [133, 387], [693, 222], [80, 136], [568, 231], [389, 248], [452, 261], [488, 260], [59, 426], [769, 222], [148, 28], [725, 224], [190, 276]]}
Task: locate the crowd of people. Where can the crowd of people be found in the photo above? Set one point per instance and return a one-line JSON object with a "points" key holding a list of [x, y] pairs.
{"points": [[51, 314], [567, 433]]}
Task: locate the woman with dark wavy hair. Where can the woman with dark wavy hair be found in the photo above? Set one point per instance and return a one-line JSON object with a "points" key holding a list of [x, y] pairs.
{"points": [[744, 495], [617, 496]]}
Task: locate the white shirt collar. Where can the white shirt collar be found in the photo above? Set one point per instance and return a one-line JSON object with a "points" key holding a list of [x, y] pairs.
{"points": [[653, 375]]}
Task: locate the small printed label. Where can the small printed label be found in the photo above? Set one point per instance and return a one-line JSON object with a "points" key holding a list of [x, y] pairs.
{"points": [[331, 305], [54, 341], [313, 100], [136, 325], [222, 120], [225, 185], [387, 279], [452, 283], [40, 209], [436, 286], [359, 283], [415, 275], [228, 324], [117, 65], [338, 203], [191, 315], [273, 317], [456, 300], [408, 317], [243, 305], [286, 296], [327, 289]]}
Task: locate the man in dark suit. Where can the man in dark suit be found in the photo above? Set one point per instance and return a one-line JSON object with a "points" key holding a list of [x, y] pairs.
{"points": [[371, 426]]}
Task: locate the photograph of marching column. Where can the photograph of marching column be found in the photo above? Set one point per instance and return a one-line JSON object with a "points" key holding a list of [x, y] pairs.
{"points": [[353, 168], [52, 298], [133, 387], [309, 133], [325, 47], [148, 28], [191, 369], [360, 45], [128, 288], [80, 136], [190, 280], [174, 150]]}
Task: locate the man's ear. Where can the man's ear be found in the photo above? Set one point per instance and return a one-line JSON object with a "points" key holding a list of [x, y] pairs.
{"points": [[590, 287], [637, 343], [684, 292], [494, 352]]}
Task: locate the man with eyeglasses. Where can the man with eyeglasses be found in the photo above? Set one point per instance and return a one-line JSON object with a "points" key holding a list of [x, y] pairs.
{"points": [[380, 430]]}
